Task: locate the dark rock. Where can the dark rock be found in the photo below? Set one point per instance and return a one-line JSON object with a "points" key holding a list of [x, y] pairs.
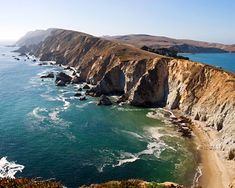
{"points": [[197, 116], [83, 98], [80, 89], [123, 98], [34, 60], [86, 87], [77, 80], [219, 126], [183, 119], [186, 132], [203, 118], [67, 68], [63, 77], [231, 154], [104, 100], [91, 93], [50, 75], [78, 94], [60, 83], [16, 58], [42, 63]]}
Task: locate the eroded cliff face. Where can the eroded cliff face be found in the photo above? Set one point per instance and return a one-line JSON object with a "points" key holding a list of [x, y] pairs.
{"points": [[146, 79], [207, 94]]}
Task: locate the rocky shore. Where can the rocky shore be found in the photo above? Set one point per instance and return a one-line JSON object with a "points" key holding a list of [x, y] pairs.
{"points": [[200, 92]]}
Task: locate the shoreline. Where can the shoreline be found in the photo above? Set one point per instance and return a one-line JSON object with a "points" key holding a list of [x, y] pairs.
{"points": [[214, 168]]}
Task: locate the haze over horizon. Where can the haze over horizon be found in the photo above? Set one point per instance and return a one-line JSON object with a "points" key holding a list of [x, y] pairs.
{"points": [[205, 21]]}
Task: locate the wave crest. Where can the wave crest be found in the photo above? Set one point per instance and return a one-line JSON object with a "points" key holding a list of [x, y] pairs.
{"points": [[9, 169]]}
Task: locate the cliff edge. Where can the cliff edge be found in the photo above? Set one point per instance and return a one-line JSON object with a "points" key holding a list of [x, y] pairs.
{"points": [[203, 92]]}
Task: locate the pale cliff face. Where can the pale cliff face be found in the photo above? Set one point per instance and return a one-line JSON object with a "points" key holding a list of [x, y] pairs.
{"points": [[146, 79]]}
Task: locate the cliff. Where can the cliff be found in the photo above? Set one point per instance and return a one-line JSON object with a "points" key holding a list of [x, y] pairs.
{"points": [[146, 79], [34, 37]]}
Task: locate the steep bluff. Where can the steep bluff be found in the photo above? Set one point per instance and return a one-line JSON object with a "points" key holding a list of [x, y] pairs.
{"points": [[146, 79]]}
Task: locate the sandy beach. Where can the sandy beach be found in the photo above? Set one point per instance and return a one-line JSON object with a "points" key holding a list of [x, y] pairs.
{"points": [[217, 172]]}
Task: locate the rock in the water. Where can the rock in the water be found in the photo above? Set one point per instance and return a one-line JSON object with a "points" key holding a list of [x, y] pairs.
{"points": [[66, 79], [186, 132], [104, 100], [49, 75], [122, 99], [80, 89], [67, 68], [91, 93], [78, 94], [76, 80], [83, 98], [86, 87], [60, 83], [43, 63]]}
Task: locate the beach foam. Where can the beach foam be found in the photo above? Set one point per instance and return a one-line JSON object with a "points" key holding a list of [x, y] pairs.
{"points": [[132, 134], [155, 145], [36, 113], [9, 169], [85, 104], [126, 158]]}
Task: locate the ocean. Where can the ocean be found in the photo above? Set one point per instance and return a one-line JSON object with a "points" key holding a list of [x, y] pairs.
{"points": [[47, 133], [222, 60]]}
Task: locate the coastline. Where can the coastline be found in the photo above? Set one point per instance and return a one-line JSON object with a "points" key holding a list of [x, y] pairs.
{"points": [[214, 167], [214, 170]]}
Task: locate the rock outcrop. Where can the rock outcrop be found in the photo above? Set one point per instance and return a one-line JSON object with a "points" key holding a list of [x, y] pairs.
{"points": [[62, 77], [49, 75], [104, 100], [147, 79]]}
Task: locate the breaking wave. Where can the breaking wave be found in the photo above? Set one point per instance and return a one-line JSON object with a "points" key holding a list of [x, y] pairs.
{"points": [[37, 113], [126, 158], [155, 146], [9, 169], [85, 104], [132, 134], [39, 116]]}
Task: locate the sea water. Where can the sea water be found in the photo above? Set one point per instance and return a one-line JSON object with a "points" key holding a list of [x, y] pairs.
{"points": [[221, 60], [45, 132]]}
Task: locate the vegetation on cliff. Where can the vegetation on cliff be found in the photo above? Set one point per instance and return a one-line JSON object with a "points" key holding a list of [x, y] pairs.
{"points": [[28, 183]]}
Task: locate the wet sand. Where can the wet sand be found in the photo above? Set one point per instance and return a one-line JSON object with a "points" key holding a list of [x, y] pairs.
{"points": [[215, 169]]}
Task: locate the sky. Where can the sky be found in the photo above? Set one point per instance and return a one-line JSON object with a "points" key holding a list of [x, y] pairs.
{"points": [[205, 20]]}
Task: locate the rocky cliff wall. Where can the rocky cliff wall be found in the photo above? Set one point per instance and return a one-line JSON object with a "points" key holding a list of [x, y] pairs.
{"points": [[146, 79]]}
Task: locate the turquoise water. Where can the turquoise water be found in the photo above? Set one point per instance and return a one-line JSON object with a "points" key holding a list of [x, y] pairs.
{"points": [[224, 60], [54, 135]]}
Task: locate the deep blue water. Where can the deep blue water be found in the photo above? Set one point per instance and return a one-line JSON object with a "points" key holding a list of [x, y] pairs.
{"points": [[54, 135], [224, 60]]}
